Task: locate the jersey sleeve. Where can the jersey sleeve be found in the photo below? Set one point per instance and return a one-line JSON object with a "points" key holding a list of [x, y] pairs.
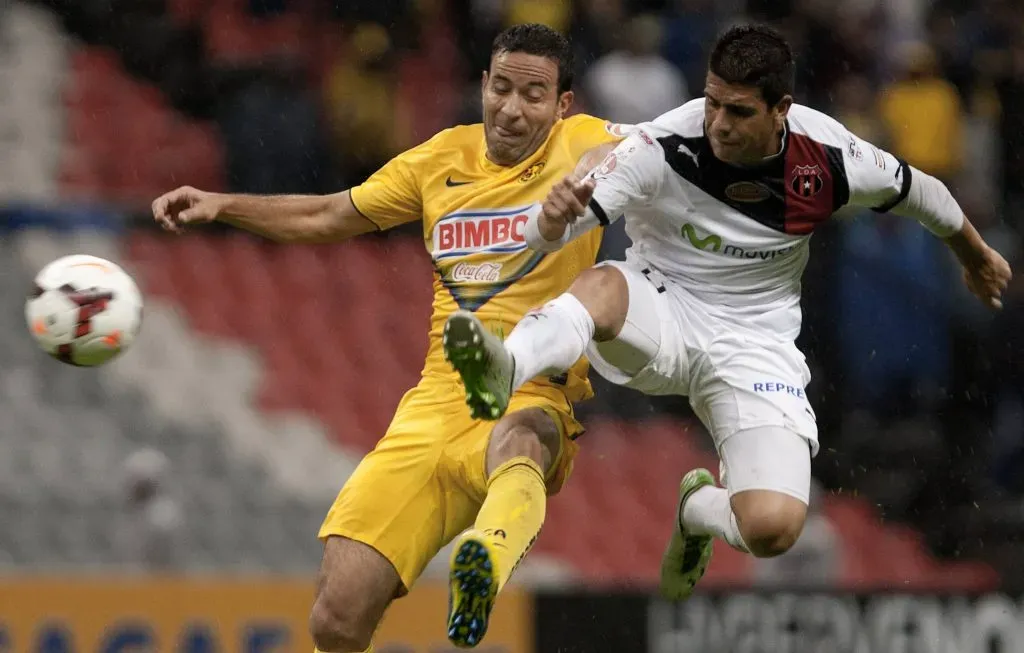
{"points": [[877, 179], [393, 195], [630, 176], [883, 183]]}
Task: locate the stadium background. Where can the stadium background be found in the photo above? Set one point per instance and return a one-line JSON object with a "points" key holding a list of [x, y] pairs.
{"points": [[169, 502]]}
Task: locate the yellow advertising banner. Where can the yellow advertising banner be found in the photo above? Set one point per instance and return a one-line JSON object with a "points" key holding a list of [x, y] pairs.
{"points": [[221, 616]]}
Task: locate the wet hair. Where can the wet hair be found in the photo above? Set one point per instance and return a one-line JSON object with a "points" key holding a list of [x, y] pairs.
{"points": [[542, 41], [758, 56]]}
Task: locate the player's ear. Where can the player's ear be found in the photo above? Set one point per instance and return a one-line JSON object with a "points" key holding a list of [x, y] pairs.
{"points": [[483, 81], [564, 102], [782, 109]]}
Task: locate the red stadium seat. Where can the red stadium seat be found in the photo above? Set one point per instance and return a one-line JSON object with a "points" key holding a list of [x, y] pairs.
{"points": [[132, 143]]}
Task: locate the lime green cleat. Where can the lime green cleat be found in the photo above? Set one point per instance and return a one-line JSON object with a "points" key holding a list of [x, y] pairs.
{"points": [[473, 587], [687, 556], [482, 361]]}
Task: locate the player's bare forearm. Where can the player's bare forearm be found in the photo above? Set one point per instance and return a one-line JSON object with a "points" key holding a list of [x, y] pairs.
{"points": [[986, 272], [296, 218], [284, 218], [967, 244]]}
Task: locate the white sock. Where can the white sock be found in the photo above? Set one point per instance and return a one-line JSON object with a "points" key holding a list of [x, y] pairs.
{"points": [[708, 512], [550, 340]]}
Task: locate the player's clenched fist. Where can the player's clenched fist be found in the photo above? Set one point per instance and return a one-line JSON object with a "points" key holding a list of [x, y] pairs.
{"points": [[186, 205], [564, 204]]}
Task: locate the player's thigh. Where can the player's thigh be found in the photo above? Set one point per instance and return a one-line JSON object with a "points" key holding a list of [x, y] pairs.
{"points": [[355, 585], [604, 292], [750, 395], [767, 459], [394, 501], [645, 355]]}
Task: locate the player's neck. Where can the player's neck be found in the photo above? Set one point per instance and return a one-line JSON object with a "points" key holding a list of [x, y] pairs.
{"points": [[776, 146]]}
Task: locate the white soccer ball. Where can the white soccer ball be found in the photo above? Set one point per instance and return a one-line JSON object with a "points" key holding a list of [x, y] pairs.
{"points": [[84, 310]]}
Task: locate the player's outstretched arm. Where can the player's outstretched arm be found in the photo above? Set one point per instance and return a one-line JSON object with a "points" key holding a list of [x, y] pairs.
{"points": [[283, 218], [929, 201], [880, 181]]}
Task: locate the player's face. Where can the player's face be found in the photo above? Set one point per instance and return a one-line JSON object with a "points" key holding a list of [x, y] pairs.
{"points": [[521, 103], [740, 125]]}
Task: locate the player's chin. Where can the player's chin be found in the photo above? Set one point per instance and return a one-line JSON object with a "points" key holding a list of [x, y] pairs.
{"points": [[726, 152], [505, 151]]}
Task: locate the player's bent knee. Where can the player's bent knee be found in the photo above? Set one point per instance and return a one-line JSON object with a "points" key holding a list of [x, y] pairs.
{"points": [[337, 630], [527, 433], [769, 522], [515, 442], [605, 294]]}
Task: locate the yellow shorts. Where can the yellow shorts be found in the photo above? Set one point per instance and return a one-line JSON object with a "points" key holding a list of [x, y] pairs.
{"points": [[426, 479]]}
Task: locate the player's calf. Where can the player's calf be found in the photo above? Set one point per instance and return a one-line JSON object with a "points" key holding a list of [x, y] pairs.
{"points": [[523, 445], [355, 586], [769, 522]]}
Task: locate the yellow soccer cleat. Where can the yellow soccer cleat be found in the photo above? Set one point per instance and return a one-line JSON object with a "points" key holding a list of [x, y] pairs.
{"points": [[473, 587]]}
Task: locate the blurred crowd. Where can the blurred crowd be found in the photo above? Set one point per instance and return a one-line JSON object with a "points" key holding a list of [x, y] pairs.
{"points": [[918, 388]]}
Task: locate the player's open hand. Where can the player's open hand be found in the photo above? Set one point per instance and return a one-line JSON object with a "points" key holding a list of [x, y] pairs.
{"points": [[987, 277], [186, 205], [564, 204]]}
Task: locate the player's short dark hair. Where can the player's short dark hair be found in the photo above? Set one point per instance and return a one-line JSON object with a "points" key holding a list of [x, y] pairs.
{"points": [[755, 55], [542, 41]]}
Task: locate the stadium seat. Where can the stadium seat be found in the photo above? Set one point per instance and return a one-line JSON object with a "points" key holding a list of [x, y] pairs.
{"points": [[123, 140]]}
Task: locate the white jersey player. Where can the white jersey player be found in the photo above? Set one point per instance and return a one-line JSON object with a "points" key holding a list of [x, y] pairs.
{"points": [[720, 198]]}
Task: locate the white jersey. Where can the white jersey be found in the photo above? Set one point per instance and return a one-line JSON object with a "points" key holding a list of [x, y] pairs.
{"points": [[737, 238]]}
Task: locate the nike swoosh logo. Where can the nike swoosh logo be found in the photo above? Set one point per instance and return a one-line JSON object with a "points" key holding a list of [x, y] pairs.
{"points": [[449, 183]]}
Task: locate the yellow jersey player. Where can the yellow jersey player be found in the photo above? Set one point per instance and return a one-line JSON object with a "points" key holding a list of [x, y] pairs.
{"points": [[437, 471]]}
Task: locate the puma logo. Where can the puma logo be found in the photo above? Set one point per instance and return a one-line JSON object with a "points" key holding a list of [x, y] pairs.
{"points": [[682, 149]]}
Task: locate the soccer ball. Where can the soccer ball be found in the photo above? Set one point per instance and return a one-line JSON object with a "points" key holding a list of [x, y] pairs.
{"points": [[83, 310]]}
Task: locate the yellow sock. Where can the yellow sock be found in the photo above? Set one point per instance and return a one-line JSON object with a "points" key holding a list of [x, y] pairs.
{"points": [[513, 512]]}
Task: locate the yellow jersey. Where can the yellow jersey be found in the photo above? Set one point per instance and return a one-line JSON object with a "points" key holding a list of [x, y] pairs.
{"points": [[474, 212]]}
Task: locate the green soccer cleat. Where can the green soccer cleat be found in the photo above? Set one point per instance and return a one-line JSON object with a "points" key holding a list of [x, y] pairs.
{"points": [[482, 361], [687, 556], [473, 587]]}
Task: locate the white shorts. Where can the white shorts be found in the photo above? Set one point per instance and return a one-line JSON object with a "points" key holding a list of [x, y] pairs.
{"points": [[736, 379]]}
